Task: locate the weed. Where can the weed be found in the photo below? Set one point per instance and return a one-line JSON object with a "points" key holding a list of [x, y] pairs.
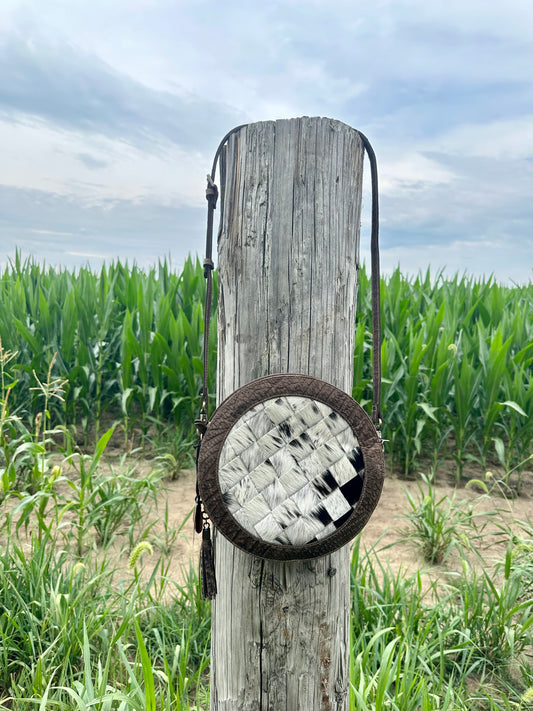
{"points": [[438, 525]]}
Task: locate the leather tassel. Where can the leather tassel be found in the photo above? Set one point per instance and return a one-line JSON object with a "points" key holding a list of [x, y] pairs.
{"points": [[198, 513], [198, 518], [207, 566]]}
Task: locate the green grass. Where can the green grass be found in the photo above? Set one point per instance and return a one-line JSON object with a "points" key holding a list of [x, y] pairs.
{"points": [[464, 643], [74, 634], [88, 359], [71, 638], [438, 524]]}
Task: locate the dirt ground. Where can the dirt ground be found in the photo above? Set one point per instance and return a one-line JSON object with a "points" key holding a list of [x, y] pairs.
{"points": [[387, 530]]}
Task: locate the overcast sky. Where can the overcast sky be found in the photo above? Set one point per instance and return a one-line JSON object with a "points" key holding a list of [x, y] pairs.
{"points": [[111, 110]]}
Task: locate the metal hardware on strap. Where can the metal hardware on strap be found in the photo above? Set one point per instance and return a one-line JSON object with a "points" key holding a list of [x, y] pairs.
{"points": [[212, 196], [211, 192]]}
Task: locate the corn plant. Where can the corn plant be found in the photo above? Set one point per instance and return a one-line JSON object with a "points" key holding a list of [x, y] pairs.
{"points": [[9, 425], [89, 502], [456, 356]]}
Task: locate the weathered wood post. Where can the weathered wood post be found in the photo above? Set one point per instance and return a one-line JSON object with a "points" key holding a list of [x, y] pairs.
{"points": [[287, 261]]}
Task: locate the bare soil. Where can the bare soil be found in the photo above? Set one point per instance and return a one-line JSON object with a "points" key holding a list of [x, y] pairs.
{"points": [[387, 531]]}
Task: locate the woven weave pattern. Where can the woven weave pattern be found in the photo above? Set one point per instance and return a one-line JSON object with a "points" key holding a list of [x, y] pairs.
{"points": [[291, 470]]}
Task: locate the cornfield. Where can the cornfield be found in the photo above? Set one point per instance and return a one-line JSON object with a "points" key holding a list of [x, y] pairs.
{"points": [[126, 344], [89, 355]]}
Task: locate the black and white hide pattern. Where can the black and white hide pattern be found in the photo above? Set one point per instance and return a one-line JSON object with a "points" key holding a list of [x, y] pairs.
{"points": [[291, 471]]}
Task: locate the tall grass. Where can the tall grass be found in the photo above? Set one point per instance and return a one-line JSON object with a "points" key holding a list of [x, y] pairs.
{"points": [[71, 638], [464, 645]]}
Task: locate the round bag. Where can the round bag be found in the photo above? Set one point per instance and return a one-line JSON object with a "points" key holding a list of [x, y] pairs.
{"points": [[290, 467]]}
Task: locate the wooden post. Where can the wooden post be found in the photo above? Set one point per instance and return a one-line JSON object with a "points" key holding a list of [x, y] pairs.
{"points": [[287, 261]]}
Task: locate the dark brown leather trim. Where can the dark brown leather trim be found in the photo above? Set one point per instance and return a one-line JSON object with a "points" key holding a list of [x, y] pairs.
{"points": [[241, 401]]}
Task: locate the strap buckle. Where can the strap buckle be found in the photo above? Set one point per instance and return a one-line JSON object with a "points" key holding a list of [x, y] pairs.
{"points": [[201, 422], [211, 192]]}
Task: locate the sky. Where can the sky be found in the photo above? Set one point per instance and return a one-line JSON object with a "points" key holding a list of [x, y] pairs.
{"points": [[111, 110]]}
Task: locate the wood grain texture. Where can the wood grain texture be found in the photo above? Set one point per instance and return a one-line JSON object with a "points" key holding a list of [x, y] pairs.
{"points": [[287, 261]]}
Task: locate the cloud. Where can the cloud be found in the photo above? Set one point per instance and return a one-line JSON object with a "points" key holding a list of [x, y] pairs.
{"points": [[413, 171], [72, 89], [467, 208], [508, 260], [504, 140], [58, 229], [91, 162], [122, 110], [484, 198], [95, 168]]}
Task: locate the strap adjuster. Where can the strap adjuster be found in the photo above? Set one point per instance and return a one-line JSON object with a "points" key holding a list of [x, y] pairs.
{"points": [[211, 192]]}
